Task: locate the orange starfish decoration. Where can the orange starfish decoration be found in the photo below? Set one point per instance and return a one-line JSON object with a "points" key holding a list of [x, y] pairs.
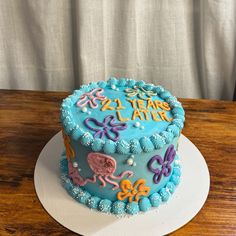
{"points": [[134, 192], [69, 151]]}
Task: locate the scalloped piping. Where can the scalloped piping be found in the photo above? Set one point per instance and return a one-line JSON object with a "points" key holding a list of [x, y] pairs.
{"points": [[120, 208], [69, 126]]}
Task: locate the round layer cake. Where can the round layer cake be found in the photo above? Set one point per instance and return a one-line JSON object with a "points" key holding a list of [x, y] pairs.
{"points": [[120, 141]]}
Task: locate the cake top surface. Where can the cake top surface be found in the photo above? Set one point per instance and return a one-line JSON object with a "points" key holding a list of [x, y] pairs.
{"points": [[122, 115]]}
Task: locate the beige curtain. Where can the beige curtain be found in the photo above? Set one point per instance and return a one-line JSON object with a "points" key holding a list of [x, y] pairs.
{"points": [[188, 46]]}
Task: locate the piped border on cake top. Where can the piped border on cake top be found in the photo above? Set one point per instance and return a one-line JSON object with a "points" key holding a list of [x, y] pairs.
{"points": [[119, 207], [121, 146]]}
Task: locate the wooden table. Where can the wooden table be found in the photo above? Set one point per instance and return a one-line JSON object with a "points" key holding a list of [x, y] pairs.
{"points": [[29, 119]]}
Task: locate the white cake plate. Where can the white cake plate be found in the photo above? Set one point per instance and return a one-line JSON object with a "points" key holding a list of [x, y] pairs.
{"points": [[185, 203]]}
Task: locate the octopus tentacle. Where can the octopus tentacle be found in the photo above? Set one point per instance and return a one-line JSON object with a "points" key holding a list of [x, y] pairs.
{"points": [[121, 175], [103, 183], [111, 182], [88, 180]]}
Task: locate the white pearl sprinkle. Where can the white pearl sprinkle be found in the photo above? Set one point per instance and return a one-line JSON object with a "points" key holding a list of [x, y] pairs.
{"points": [[113, 86], [134, 164], [130, 161], [132, 156], [75, 164], [117, 89], [137, 124], [84, 109], [142, 127], [177, 162], [79, 169], [89, 112]]}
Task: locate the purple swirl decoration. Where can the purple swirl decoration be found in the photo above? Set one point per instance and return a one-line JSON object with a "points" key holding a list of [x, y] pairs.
{"points": [[165, 164], [107, 127]]}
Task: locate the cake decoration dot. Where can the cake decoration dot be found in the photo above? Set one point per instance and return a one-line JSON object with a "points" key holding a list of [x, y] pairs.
{"points": [[75, 164], [134, 164], [137, 124], [130, 161], [113, 87], [89, 112], [142, 127], [84, 109]]}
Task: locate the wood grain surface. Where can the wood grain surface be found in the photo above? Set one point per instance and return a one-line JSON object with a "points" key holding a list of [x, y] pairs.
{"points": [[29, 119]]}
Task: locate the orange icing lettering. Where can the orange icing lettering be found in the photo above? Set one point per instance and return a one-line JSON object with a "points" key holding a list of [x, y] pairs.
{"points": [[150, 104], [69, 151], [163, 116], [165, 106], [137, 113], [145, 112], [119, 106], [120, 118], [132, 102], [154, 116], [106, 104], [132, 192], [140, 104], [157, 104]]}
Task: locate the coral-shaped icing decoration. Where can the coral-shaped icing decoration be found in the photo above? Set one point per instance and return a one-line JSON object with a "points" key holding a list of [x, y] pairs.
{"points": [[140, 92], [69, 151], [165, 164], [104, 167], [107, 127], [132, 192], [91, 97]]}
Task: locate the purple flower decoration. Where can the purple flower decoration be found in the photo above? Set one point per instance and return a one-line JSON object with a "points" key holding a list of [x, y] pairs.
{"points": [[165, 168], [91, 97], [107, 127]]}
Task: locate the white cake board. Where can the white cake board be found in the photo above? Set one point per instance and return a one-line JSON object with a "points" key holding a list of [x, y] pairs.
{"points": [[185, 203]]}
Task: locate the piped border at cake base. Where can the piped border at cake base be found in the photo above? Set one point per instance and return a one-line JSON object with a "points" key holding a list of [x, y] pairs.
{"points": [[120, 208]]}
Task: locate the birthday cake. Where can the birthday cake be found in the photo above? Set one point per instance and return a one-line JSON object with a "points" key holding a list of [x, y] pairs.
{"points": [[121, 138]]}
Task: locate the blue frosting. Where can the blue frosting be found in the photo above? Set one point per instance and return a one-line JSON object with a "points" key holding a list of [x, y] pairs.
{"points": [[97, 144], [93, 202], [73, 118], [104, 205], [165, 194], [146, 144], [155, 199], [109, 147], [118, 208], [144, 204], [135, 146], [158, 141], [132, 208]]}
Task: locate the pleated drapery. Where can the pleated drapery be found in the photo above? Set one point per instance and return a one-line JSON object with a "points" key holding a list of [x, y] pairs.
{"points": [[187, 46]]}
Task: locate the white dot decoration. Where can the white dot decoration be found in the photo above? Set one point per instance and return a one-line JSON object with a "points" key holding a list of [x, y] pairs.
{"points": [[89, 112], [113, 86], [75, 164], [84, 109], [130, 161], [134, 164], [137, 124], [142, 127]]}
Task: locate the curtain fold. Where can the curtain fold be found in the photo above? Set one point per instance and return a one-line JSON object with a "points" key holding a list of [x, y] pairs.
{"points": [[187, 46]]}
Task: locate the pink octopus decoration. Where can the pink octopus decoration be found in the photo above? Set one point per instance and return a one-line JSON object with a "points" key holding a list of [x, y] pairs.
{"points": [[103, 167], [91, 97]]}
